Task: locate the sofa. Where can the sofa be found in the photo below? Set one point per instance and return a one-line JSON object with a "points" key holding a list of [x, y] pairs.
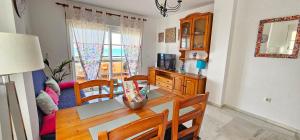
{"points": [[66, 99]]}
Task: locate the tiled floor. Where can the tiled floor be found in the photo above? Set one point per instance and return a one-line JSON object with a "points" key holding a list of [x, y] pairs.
{"points": [[226, 124]]}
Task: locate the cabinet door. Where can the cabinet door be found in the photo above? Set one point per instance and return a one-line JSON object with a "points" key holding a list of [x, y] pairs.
{"points": [[199, 35], [151, 76], [185, 34], [190, 86], [202, 85], [178, 84]]}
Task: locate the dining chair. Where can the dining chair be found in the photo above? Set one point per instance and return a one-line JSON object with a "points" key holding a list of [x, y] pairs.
{"points": [[157, 121], [93, 83], [179, 131], [138, 78]]}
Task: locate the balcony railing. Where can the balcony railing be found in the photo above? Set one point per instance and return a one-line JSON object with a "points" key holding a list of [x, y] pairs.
{"points": [[119, 70]]}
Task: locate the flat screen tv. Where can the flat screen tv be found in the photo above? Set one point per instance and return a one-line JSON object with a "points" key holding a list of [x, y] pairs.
{"points": [[166, 61]]}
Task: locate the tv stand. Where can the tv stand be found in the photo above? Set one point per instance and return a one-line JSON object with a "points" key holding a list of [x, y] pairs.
{"points": [[178, 83]]}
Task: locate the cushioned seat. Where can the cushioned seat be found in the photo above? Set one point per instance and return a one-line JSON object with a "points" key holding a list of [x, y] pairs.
{"points": [[168, 134], [66, 99]]}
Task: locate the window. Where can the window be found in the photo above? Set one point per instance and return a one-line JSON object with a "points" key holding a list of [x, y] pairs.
{"points": [[113, 64]]}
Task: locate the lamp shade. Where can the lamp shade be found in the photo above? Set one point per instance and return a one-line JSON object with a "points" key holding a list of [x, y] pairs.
{"points": [[201, 64], [19, 53]]}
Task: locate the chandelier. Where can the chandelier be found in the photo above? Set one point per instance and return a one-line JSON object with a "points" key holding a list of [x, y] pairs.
{"points": [[164, 8]]}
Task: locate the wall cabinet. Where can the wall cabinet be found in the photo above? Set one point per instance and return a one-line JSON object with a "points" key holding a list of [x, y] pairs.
{"points": [[195, 31], [178, 83]]}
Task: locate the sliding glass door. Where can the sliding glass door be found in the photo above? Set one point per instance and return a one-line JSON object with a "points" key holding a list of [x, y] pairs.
{"points": [[113, 61]]}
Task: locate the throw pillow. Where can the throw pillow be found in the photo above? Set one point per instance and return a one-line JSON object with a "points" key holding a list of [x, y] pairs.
{"points": [[66, 85], [52, 94], [48, 126], [45, 103], [53, 84]]}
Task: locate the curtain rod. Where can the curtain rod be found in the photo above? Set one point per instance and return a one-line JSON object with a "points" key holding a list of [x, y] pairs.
{"points": [[110, 14]]}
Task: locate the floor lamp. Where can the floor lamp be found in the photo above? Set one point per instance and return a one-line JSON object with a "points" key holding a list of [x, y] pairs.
{"points": [[18, 53]]}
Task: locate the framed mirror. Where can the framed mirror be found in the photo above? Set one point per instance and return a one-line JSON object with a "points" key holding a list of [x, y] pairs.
{"points": [[278, 37]]}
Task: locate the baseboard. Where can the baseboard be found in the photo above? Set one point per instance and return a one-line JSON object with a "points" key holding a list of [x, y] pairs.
{"points": [[214, 104], [263, 119]]}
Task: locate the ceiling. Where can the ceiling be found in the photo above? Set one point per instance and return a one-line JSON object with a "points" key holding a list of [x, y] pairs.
{"points": [[143, 7]]}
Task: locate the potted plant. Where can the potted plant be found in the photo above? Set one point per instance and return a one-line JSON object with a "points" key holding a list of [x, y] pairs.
{"points": [[59, 72]]}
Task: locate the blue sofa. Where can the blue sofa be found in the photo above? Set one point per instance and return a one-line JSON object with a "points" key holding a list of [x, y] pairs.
{"points": [[66, 99]]}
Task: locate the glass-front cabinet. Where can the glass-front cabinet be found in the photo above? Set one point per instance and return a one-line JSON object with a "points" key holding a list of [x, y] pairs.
{"points": [[196, 31], [199, 32], [185, 33]]}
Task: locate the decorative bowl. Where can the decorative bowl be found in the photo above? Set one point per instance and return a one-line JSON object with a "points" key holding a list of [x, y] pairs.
{"points": [[135, 105]]}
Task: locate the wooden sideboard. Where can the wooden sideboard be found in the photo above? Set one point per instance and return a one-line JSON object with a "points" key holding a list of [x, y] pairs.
{"points": [[178, 83]]}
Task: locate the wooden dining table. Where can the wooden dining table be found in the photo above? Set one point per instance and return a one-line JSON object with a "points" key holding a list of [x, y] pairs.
{"points": [[69, 125]]}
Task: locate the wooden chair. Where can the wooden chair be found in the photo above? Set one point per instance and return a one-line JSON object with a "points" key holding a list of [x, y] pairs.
{"points": [[93, 83], [199, 103], [138, 78], [157, 121]]}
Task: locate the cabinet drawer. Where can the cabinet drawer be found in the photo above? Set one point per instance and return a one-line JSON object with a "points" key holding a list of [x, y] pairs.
{"points": [[164, 85], [164, 80]]}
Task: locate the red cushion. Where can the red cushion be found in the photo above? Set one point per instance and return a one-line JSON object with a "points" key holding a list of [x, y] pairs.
{"points": [[53, 95], [48, 124], [65, 85]]}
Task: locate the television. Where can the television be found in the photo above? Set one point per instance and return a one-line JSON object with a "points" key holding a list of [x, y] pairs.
{"points": [[166, 61]]}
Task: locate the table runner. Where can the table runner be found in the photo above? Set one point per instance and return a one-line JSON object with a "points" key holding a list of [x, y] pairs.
{"points": [[169, 106], [153, 94], [99, 108]]}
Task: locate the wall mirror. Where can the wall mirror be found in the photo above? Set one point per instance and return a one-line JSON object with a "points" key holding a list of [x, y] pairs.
{"points": [[278, 37]]}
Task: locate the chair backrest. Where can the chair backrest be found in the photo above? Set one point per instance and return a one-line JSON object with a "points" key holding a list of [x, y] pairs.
{"points": [[199, 103], [137, 78], [90, 84], [157, 121]]}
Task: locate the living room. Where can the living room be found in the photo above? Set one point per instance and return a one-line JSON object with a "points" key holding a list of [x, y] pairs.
{"points": [[251, 95]]}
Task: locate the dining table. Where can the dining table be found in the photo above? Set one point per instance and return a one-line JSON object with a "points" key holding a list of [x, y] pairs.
{"points": [[70, 126]]}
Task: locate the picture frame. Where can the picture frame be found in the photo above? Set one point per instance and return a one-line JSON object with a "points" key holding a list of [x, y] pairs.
{"points": [[170, 35], [161, 37]]}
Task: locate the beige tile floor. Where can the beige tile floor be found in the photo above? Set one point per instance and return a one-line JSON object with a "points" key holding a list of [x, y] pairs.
{"points": [[227, 124]]}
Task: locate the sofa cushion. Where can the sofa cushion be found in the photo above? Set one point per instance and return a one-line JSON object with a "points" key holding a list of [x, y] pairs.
{"points": [[66, 85], [52, 94], [49, 124], [54, 85], [45, 103], [67, 98]]}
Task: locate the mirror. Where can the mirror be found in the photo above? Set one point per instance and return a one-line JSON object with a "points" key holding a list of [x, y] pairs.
{"points": [[278, 37]]}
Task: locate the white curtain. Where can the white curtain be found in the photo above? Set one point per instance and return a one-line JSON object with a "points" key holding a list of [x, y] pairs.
{"points": [[132, 31], [87, 33]]}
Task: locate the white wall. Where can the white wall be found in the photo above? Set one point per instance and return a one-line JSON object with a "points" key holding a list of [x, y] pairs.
{"points": [[53, 35], [220, 46], [173, 48], [251, 79], [47, 22], [149, 43]]}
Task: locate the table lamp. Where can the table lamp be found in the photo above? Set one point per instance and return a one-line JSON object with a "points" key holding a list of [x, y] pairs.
{"points": [[18, 53], [200, 65]]}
